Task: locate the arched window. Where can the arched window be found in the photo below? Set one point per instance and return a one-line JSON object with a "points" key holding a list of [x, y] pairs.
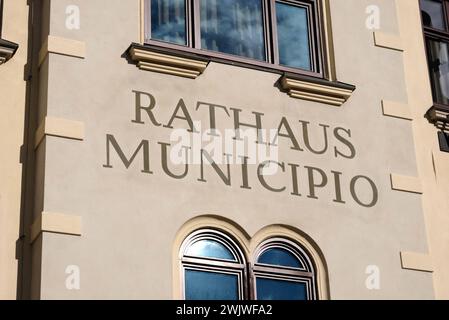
{"points": [[213, 267], [283, 271]]}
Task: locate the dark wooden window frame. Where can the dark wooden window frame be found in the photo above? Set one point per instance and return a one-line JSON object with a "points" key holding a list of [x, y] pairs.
{"points": [[246, 272], [193, 35]]}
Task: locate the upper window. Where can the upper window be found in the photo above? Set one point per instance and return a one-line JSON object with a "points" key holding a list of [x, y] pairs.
{"points": [[435, 20], [282, 34], [214, 268]]}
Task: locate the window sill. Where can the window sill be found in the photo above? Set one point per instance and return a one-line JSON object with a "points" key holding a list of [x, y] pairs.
{"points": [[191, 65], [7, 50]]}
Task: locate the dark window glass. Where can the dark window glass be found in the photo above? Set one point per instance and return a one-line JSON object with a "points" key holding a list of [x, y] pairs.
{"points": [[293, 36], [438, 55], [233, 27], [432, 14], [168, 21], [279, 257], [271, 289], [210, 249], [203, 285]]}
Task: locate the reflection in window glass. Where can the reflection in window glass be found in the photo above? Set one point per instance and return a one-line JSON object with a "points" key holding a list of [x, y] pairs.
{"points": [[279, 257], [432, 14], [202, 285], [293, 36], [270, 289], [210, 249], [438, 54], [233, 27], [168, 21]]}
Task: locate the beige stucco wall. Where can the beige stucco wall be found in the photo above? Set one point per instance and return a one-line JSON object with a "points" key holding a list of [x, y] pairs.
{"points": [[130, 220], [12, 107]]}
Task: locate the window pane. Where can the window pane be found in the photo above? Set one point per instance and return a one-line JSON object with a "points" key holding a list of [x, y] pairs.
{"points": [[269, 289], [438, 54], [210, 249], [293, 36], [279, 257], [234, 27], [432, 14], [203, 285], [168, 21]]}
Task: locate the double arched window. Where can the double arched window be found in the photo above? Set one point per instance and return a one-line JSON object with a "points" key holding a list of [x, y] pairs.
{"points": [[215, 268]]}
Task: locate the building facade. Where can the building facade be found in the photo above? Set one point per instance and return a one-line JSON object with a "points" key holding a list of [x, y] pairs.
{"points": [[204, 149]]}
